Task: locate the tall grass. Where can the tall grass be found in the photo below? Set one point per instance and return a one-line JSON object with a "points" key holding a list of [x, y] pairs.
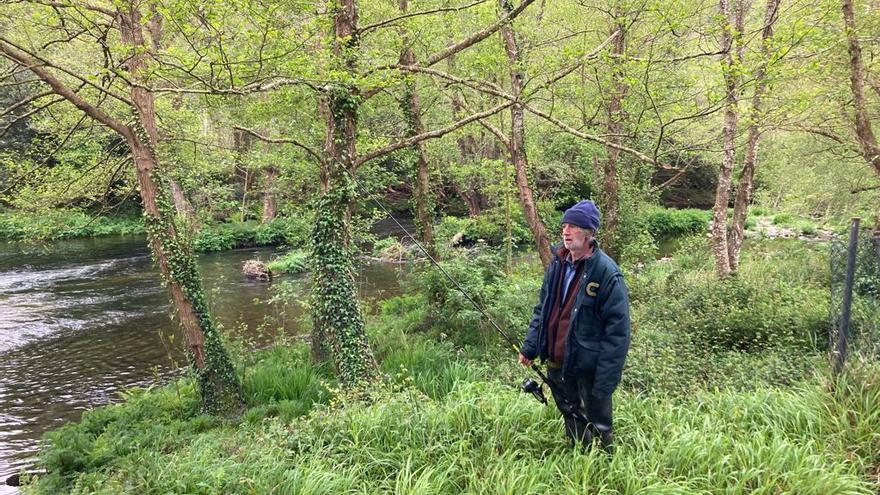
{"points": [[485, 438]]}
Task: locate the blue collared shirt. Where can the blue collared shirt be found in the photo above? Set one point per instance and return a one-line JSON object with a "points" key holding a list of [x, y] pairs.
{"points": [[570, 270]]}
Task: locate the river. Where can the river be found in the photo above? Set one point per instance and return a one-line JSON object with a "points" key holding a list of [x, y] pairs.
{"points": [[81, 320]]}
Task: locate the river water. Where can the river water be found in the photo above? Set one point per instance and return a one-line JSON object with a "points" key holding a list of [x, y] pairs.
{"points": [[81, 320]]}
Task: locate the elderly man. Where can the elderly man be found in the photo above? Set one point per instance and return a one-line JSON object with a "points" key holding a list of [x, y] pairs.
{"points": [[581, 326]]}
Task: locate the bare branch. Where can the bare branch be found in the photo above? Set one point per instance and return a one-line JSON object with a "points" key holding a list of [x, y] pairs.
{"points": [[596, 139], [672, 180], [292, 141], [489, 127], [429, 135], [682, 58], [496, 131], [492, 89], [379, 24], [815, 130]]}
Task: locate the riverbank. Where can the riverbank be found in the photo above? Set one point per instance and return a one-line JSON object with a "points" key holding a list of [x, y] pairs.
{"points": [[726, 390], [83, 319], [660, 223], [64, 225]]}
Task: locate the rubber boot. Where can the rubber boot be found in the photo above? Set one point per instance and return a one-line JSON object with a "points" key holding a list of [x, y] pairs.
{"points": [[606, 437]]}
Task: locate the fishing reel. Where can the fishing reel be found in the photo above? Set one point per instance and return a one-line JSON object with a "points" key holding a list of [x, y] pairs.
{"points": [[530, 386]]}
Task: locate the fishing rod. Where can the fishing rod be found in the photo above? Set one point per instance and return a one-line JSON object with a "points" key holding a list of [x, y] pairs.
{"points": [[568, 407]]}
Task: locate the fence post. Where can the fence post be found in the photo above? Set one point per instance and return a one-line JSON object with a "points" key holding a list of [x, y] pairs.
{"points": [[843, 332]]}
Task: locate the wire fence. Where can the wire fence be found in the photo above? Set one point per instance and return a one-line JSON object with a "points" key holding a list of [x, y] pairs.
{"points": [[856, 334]]}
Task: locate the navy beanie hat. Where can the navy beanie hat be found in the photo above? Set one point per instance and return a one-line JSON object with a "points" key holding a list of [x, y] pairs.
{"points": [[584, 214]]}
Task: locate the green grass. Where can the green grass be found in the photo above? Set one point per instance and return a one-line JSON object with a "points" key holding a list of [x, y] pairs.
{"points": [[484, 437]]}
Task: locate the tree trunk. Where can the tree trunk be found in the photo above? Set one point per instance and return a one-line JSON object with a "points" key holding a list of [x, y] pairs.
{"points": [[218, 384], [242, 143], [270, 204], [424, 213], [611, 185], [864, 132], [517, 143], [732, 28], [183, 207], [337, 310], [744, 191], [467, 149]]}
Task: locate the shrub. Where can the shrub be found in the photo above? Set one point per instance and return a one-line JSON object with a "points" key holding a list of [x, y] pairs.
{"points": [[806, 227], [489, 226], [750, 223], [225, 236], [65, 224], [295, 261], [665, 222], [783, 219], [777, 298]]}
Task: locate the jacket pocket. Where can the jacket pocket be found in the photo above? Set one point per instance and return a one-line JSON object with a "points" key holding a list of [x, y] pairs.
{"points": [[585, 354]]}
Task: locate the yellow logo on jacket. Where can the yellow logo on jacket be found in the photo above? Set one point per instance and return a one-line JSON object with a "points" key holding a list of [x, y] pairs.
{"points": [[592, 287]]}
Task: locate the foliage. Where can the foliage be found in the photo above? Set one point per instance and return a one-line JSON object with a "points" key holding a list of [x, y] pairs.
{"points": [[64, 224], [481, 273], [295, 261], [667, 222], [489, 226], [783, 219], [224, 236], [779, 298]]}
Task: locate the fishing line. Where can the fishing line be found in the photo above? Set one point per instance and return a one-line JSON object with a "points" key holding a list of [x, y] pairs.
{"points": [[568, 407]]}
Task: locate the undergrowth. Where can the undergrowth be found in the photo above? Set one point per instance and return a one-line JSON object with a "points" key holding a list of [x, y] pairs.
{"points": [[725, 391], [64, 224]]}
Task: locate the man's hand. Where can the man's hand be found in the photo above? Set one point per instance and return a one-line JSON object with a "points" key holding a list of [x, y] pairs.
{"points": [[525, 361]]}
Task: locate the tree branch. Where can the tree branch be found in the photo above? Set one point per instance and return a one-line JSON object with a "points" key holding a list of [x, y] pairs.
{"points": [[379, 24], [429, 135], [24, 102], [292, 141], [589, 56], [27, 114], [62, 90], [71, 5], [495, 91], [35, 61], [865, 189], [476, 37]]}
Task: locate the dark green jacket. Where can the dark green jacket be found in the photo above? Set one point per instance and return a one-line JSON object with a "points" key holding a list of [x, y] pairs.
{"points": [[599, 335]]}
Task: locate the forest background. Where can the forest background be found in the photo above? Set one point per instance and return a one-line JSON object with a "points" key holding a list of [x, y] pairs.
{"points": [[215, 125]]}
